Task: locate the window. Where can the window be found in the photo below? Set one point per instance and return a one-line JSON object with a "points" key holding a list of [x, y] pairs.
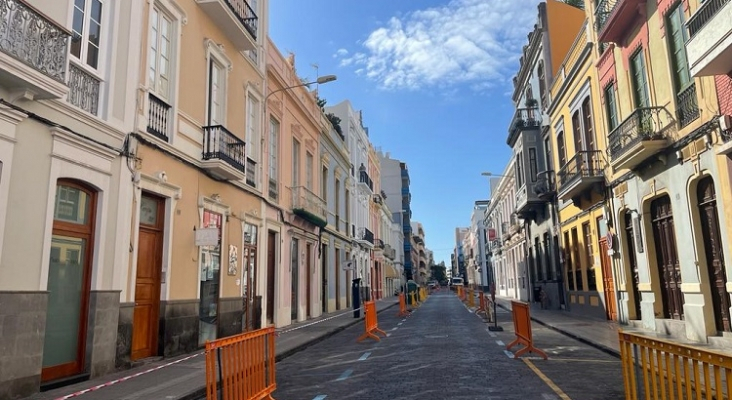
{"points": [[86, 31], [611, 107], [568, 262], [520, 169], [216, 93], [577, 261], [542, 83], [160, 54], [588, 140], [562, 152], [533, 166], [677, 36], [253, 54], [588, 243], [640, 81], [577, 131], [547, 154], [252, 128], [324, 185], [347, 202], [309, 171], [295, 163], [338, 203], [274, 137]]}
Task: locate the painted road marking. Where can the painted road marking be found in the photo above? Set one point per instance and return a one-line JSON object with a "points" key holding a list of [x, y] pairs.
{"points": [[388, 334], [320, 397], [500, 342], [365, 356], [403, 320], [345, 375], [508, 353], [400, 323], [546, 380], [491, 333], [548, 396], [394, 328]]}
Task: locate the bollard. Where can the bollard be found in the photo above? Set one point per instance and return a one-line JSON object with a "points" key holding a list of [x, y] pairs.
{"points": [[414, 299], [356, 295]]}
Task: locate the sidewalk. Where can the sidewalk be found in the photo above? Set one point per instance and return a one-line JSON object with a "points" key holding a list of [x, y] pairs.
{"points": [[183, 377], [594, 332]]}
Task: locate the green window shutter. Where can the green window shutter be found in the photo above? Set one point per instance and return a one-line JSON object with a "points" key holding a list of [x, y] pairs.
{"points": [[677, 37], [640, 82], [612, 113]]}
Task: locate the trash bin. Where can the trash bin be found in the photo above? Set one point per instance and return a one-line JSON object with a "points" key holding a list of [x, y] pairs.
{"points": [[412, 288]]}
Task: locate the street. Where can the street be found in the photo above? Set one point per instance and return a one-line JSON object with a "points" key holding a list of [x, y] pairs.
{"points": [[444, 351]]}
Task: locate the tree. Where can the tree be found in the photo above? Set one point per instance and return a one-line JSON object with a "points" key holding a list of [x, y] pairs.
{"points": [[438, 273], [576, 3], [335, 121]]}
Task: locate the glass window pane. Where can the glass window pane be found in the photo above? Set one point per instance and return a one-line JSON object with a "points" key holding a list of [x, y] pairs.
{"points": [[148, 211], [72, 205], [65, 294], [96, 10]]}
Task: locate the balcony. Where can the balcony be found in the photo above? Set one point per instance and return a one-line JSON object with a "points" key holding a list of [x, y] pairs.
{"points": [[236, 19], [545, 187], [33, 52], [523, 119], [223, 153], [364, 179], [274, 190], [365, 235], [251, 173], [615, 18], [687, 106], [583, 172], [379, 244], [709, 48], [638, 137], [158, 117], [308, 206]]}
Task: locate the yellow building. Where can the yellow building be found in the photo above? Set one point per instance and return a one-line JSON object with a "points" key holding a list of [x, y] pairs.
{"points": [[662, 124], [197, 156], [579, 153]]}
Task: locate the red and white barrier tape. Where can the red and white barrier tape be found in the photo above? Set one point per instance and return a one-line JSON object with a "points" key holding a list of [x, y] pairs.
{"points": [[316, 322]]}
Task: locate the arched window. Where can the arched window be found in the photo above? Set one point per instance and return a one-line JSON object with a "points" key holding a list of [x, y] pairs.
{"points": [[69, 276], [561, 150]]}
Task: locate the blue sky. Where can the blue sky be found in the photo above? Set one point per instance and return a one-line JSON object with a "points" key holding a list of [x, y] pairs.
{"points": [[433, 78]]}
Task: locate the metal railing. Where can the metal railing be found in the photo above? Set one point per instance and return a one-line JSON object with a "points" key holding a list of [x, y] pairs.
{"points": [[545, 185], [158, 117], [245, 14], [274, 190], [367, 235], [706, 11], [660, 369], [251, 172], [646, 123], [526, 118], [83, 89], [219, 143], [363, 177], [603, 11], [687, 107], [31, 38], [584, 164], [304, 199], [379, 244]]}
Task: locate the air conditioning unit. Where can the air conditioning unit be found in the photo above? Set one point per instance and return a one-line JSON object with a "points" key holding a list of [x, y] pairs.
{"points": [[725, 122]]}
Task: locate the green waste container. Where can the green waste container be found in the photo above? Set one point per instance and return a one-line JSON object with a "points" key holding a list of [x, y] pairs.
{"points": [[412, 288]]}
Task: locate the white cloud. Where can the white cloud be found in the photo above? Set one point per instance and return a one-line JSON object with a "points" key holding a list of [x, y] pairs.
{"points": [[476, 42], [340, 53]]}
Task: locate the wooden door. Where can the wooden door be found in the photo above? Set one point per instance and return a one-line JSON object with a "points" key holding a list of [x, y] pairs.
{"points": [[608, 284], [633, 264], [667, 259], [338, 278], [147, 280], [324, 278], [308, 279], [271, 261], [715, 259], [249, 262]]}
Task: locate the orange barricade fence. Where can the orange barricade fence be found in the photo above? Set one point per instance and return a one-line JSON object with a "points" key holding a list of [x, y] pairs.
{"points": [[522, 329], [370, 322], [471, 298], [481, 303], [241, 367], [402, 306], [660, 369]]}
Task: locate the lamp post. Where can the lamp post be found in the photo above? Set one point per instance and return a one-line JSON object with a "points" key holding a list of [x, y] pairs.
{"points": [[492, 281], [321, 80]]}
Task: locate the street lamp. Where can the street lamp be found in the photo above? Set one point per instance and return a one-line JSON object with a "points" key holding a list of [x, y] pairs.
{"points": [[321, 80]]}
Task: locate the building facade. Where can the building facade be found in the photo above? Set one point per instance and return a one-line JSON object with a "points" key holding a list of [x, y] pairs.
{"points": [[65, 186], [663, 126]]}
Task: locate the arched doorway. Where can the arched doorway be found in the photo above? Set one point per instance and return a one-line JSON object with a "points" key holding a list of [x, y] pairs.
{"points": [[69, 276], [667, 259], [707, 203]]}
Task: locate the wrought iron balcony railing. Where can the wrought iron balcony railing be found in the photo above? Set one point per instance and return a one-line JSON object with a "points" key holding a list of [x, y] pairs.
{"points": [[363, 177], [31, 38], [584, 164], [526, 118], [603, 10], [274, 190], [643, 124], [545, 186], [219, 143], [83, 89], [379, 244], [251, 172], [366, 235], [703, 14], [246, 15], [687, 106], [158, 117]]}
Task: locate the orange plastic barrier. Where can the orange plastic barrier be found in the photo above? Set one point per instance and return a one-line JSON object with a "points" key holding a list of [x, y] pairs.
{"points": [[522, 328], [402, 306], [481, 303], [372, 325], [241, 367]]}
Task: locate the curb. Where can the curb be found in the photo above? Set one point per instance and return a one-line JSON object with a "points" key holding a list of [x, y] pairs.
{"points": [[599, 346], [200, 393]]}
